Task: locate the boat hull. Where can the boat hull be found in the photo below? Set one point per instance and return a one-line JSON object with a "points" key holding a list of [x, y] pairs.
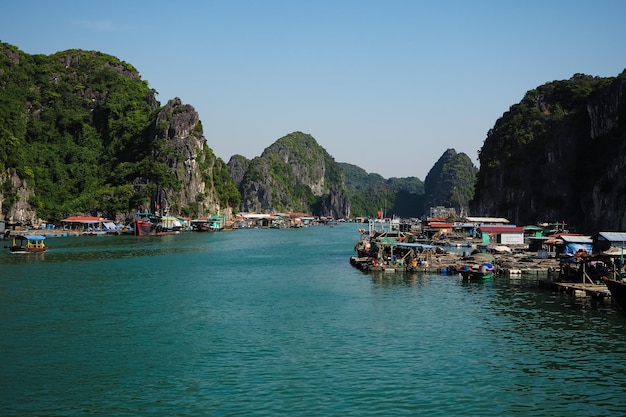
{"points": [[28, 244], [475, 276], [21, 249], [618, 292], [482, 272], [144, 228]]}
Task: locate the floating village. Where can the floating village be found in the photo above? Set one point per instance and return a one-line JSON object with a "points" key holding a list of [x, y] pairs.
{"points": [[476, 248], [480, 248]]}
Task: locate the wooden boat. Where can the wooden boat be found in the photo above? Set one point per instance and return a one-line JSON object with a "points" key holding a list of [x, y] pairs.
{"points": [[618, 291], [201, 225], [28, 243], [477, 271], [214, 224], [155, 225]]}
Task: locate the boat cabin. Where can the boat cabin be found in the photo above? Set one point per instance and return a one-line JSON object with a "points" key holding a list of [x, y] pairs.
{"points": [[28, 243]]}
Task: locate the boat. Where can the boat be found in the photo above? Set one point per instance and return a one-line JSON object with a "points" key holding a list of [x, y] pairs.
{"points": [[28, 243], [220, 223], [618, 291], [215, 223], [390, 251], [201, 225], [479, 271], [147, 224]]}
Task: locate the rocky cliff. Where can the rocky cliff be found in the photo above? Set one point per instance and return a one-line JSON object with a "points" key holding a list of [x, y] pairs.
{"points": [[82, 133], [450, 182], [188, 157], [558, 155], [370, 193], [293, 174]]}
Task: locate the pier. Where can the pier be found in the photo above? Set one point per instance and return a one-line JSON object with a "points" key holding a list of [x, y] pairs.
{"points": [[578, 289]]}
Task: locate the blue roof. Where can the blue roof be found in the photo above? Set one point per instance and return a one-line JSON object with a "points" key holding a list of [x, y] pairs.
{"points": [[32, 237], [414, 245], [614, 236]]}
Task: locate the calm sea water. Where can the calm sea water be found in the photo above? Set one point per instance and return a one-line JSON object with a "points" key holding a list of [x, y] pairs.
{"points": [[277, 323]]}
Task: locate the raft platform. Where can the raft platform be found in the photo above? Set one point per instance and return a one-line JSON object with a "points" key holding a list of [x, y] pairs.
{"points": [[579, 289], [366, 265]]}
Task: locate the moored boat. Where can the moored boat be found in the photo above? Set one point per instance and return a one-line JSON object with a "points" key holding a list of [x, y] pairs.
{"points": [[618, 291], [480, 271], [155, 225], [201, 225], [28, 243]]}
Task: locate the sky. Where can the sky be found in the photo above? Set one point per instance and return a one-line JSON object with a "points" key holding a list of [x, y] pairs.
{"points": [[388, 86]]}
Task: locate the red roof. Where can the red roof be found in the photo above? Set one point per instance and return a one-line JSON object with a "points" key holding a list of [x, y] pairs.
{"points": [[83, 219], [439, 225], [295, 214]]}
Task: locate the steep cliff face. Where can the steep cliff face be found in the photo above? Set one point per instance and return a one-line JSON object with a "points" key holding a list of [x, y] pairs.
{"points": [[188, 157], [605, 205], [292, 174], [450, 182], [370, 193], [237, 166], [558, 156], [19, 209], [82, 133]]}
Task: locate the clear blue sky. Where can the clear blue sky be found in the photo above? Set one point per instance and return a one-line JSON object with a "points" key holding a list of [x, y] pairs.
{"points": [[385, 85]]}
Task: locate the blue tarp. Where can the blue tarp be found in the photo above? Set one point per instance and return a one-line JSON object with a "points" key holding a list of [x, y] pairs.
{"points": [[572, 248]]}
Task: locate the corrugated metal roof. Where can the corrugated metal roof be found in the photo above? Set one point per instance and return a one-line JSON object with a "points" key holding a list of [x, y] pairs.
{"points": [[576, 239], [83, 219], [613, 236]]}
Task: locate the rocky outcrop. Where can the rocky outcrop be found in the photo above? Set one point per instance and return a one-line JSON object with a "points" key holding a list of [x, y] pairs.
{"points": [[188, 157], [337, 204], [450, 182], [605, 204], [20, 210], [84, 134], [237, 166], [293, 174], [558, 156]]}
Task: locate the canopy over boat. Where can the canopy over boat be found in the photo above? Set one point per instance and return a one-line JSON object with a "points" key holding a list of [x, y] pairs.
{"points": [[32, 238], [28, 243]]}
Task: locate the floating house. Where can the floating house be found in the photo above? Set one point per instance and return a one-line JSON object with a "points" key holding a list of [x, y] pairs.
{"points": [[436, 228], [574, 245], [604, 241], [504, 235], [492, 221], [87, 224]]}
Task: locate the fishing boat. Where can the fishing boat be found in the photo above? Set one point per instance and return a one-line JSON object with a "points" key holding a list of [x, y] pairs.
{"points": [[618, 291], [201, 225], [28, 243], [480, 271], [147, 224], [220, 222], [215, 223]]}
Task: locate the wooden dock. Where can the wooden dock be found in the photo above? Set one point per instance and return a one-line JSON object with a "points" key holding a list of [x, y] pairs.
{"points": [[579, 289]]}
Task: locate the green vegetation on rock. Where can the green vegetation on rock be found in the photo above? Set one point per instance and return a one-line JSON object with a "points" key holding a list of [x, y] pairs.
{"points": [[78, 128]]}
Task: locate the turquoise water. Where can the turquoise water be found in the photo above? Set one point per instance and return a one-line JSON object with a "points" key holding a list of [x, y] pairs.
{"points": [[277, 322]]}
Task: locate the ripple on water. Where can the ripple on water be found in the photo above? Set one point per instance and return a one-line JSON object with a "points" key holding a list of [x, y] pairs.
{"points": [[276, 322]]}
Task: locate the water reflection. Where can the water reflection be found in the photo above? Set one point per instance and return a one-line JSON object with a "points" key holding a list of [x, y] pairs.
{"points": [[91, 248], [386, 279]]}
